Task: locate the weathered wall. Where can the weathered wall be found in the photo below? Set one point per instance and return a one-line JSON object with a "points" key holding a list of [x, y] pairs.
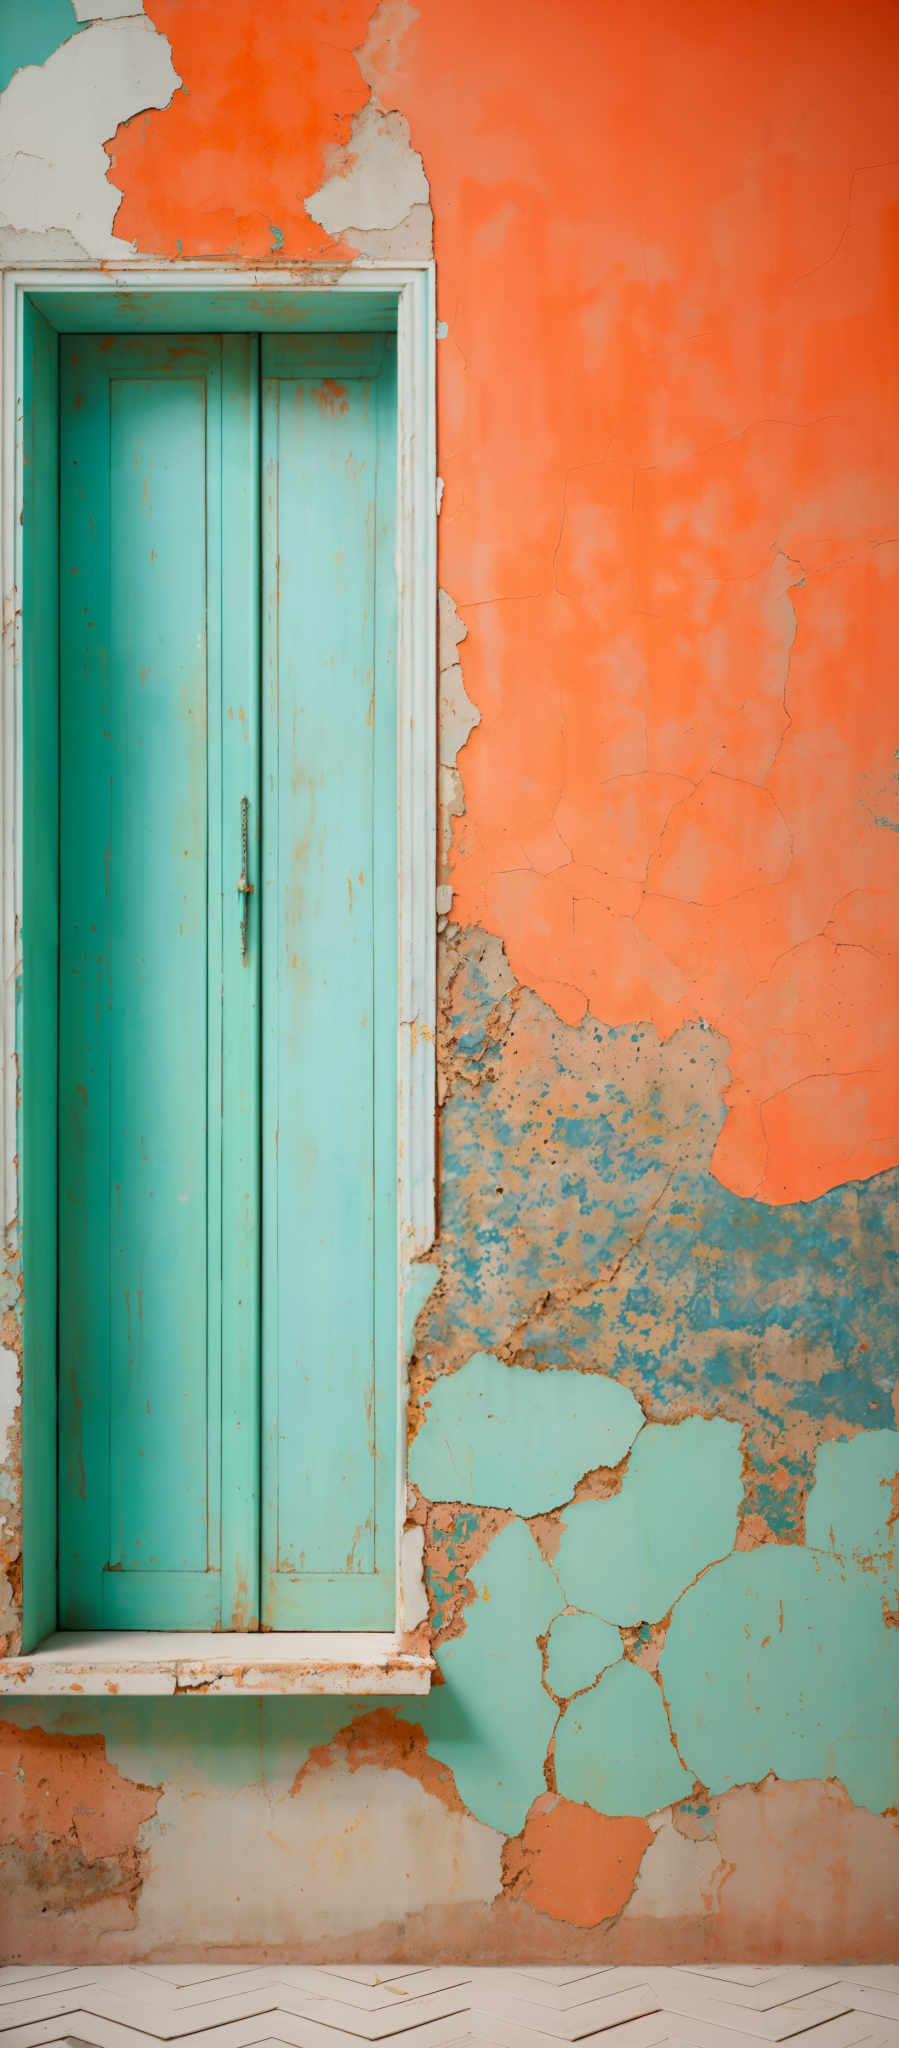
{"points": [[655, 1375]]}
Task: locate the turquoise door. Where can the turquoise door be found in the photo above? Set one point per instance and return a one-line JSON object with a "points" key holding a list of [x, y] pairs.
{"points": [[227, 1144]]}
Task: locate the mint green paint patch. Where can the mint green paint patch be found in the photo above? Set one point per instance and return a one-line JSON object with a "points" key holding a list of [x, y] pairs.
{"points": [[492, 1719], [779, 1661], [418, 1285], [613, 1747], [580, 1647], [630, 1557], [850, 1504], [505, 1436], [30, 31]]}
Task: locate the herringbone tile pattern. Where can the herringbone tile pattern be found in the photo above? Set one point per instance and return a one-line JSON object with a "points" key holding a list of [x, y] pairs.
{"points": [[208, 2006]]}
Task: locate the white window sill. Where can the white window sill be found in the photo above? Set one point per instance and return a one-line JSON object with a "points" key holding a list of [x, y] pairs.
{"points": [[145, 1663]]}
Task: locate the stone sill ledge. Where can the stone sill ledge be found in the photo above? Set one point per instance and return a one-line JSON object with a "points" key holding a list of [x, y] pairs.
{"points": [[188, 1665]]}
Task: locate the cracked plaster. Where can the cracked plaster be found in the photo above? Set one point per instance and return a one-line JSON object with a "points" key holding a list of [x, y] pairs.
{"points": [[55, 199], [676, 823], [630, 1558], [502, 1436], [580, 1647]]}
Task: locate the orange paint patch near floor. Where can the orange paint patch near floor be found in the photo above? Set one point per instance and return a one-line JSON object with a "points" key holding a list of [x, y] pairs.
{"points": [[574, 1864]]}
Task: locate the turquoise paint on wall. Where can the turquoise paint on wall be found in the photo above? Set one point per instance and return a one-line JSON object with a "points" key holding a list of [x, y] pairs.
{"points": [[30, 31], [492, 1718], [851, 1508], [630, 1557], [508, 1437], [613, 1746], [720, 1305], [580, 1647], [779, 1660]]}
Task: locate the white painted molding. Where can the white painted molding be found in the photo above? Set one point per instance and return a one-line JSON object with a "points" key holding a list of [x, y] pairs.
{"points": [[413, 284], [155, 1663]]}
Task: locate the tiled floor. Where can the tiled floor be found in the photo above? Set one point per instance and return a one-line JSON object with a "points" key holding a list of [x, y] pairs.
{"points": [[211, 2006]]}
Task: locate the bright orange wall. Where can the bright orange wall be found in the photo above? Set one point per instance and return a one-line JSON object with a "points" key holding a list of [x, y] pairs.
{"points": [[668, 253]]}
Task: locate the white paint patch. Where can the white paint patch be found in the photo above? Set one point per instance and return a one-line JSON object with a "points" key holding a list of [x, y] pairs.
{"points": [[377, 182], [106, 10], [677, 1877], [350, 1850], [55, 199], [9, 1402], [458, 715], [413, 1597]]}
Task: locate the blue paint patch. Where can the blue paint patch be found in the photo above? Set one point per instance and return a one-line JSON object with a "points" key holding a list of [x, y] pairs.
{"points": [[627, 1256], [445, 1579]]}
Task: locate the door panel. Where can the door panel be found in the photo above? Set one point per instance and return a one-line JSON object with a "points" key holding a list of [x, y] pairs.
{"points": [[141, 1305], [329, 979], [227, 1134]]}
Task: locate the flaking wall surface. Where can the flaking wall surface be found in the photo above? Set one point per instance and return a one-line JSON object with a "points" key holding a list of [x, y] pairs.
{"points": [[654, 1397]]}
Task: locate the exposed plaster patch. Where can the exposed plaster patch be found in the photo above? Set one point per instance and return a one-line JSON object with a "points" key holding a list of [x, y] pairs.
{"points": [[458, 715], [679, 1878], [414, 1595], [353, 1836], [377, 186], [10, 1473], [457, 718], [55, 198], [410, 241], [106, 10], [379, 1739], [9, 1403], [806, 1874]]}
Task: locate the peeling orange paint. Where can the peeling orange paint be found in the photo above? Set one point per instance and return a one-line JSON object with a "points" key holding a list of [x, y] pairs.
{"points": [[69, 1824], [268, 98], [379, 1739], [574, 1864], [675, 546], [58, 1785]]}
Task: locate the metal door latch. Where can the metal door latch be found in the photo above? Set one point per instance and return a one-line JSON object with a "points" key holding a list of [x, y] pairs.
{"points": [[244, 886]]}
